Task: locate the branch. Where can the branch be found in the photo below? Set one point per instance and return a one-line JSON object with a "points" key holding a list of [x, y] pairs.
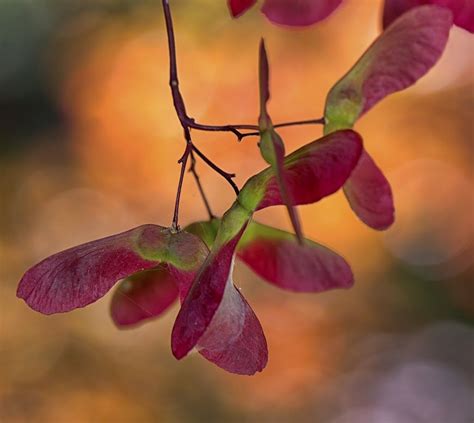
{"points": [[187, 123], [174, 82], [227, 176], [235, 129], [320, 121], [218, 128]]}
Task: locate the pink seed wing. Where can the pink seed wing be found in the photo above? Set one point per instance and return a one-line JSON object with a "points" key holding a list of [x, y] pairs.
{"points": [[299, 12], [142, 296], [203, 300], [369, 194], [81, 275], [234, 339], [277, 257], [398, 58], [317, 170], [462, 10]]}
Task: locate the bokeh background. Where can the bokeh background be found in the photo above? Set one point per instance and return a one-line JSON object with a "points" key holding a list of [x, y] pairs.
{"points": [[89, 143]]}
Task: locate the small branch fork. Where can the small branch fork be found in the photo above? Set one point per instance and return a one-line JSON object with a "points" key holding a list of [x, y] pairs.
{"points": [[189, 123]]}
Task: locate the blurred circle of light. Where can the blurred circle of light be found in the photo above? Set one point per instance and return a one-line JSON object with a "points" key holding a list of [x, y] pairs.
{"points": [[416, 378], [436, 342], [434, 209], [126, 133], [131, 91], [428, 391], [375, 415]]}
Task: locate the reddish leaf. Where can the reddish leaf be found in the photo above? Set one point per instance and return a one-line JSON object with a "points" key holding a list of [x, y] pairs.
{"points": [[238, 7], [184, 280], [397, 59], [81, 275], [464, 18], [298, 12], [314, 171], [370, 195], [234, 339], [146, 295], [203, 299], [143, 296], [277, 257], [462, 10], [214, 316]]}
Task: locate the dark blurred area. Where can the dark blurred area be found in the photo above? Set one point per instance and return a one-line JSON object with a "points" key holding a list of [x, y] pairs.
{"points": [[89, 143], [29, 31]]}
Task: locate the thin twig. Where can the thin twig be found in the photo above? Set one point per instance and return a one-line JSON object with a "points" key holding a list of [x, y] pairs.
{"points": [[185, 120], [320, 121], [183, 160], [236, 129], [227, 176], [192, 169], [219, 128]]}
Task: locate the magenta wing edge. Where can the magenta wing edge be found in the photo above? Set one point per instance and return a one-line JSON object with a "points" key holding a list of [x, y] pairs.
{"points": [[462, 10], [239, 7], [298, 13], [278, 258], [81, 275]]}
